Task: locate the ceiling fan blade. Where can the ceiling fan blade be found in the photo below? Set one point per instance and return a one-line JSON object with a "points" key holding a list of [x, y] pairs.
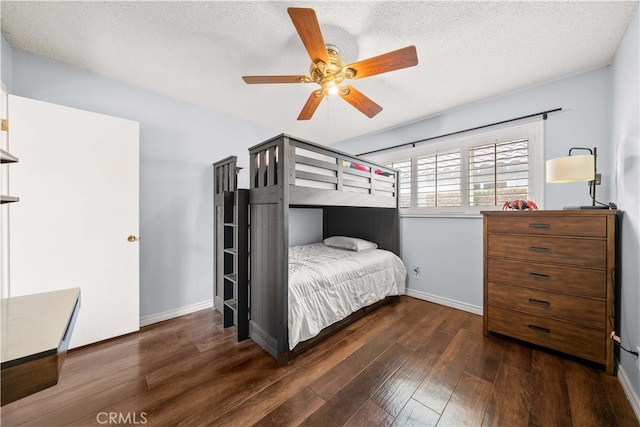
{"points": [[275, 79], [310, 106], [359, 100], [390, 61], [306, 24]]}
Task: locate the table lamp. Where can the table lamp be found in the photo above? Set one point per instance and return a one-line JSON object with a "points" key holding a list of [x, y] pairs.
{"points": [[577, 168]]}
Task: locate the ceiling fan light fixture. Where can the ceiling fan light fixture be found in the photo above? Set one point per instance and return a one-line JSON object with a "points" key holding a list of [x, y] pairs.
{"points": [[329, 71], [331, 88], [329, 74]]}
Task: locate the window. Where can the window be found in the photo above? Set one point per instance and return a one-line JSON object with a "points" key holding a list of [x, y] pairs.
{"points": [[464, 175]]}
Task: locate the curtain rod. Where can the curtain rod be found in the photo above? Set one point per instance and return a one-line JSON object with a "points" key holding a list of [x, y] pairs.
{"points": [[541, 113]]}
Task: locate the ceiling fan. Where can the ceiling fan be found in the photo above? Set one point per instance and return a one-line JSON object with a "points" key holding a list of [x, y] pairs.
{"points": [[329, 70]]}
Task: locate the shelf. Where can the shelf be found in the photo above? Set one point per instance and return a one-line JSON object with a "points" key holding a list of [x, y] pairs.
{"points": [[231, 295], [8, 199], [6, 157], [232, 304]]}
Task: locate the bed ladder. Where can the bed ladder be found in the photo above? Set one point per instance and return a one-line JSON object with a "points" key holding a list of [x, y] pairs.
{"points": [[231, 212]]}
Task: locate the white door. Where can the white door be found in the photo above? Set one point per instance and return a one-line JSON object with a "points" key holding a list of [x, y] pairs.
{"points": [[4, 208], [77, 180]]}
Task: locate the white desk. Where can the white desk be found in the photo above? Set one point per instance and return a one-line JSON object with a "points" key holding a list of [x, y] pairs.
{"points": [[36, 330]]}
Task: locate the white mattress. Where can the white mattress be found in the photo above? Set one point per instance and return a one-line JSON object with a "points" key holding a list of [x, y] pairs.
{"points": [[327, 284]]}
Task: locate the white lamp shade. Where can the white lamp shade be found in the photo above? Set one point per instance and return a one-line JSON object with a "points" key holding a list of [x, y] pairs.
{"points": [[571, 169]]}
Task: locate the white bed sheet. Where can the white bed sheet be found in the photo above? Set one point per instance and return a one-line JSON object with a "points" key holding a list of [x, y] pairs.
{"points": [[328, 284]]}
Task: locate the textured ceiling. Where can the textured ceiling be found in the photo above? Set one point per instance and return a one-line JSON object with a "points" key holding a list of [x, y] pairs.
{"points": [[198, 51]]}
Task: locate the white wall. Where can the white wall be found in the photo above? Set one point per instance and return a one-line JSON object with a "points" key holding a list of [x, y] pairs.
{"points": [[449, 250], [178, 144], [626, 157]]}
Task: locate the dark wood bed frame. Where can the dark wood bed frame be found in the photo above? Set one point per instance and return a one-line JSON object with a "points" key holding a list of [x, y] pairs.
{"points": [[285, 173]]}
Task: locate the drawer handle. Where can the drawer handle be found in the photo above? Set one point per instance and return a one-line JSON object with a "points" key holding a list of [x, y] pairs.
{"points": [[537, 225], [539, 302], [540, 329], [539, 249], [539, 276]]}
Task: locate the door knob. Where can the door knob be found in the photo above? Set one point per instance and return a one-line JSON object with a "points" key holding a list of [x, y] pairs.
{"points": [[132, 238]]}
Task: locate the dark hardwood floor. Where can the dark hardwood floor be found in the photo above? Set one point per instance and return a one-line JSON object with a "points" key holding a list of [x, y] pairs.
{"points": [[408, 363]]}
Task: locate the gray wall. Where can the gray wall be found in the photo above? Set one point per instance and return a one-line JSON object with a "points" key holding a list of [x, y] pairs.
{"points": [[626, 157], [305, 226], [178, 144]]}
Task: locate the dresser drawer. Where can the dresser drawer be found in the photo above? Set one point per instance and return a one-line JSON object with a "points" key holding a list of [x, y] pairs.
{"points": [[583, 311], [562, 250], [572, 280], [548, 225], [577, 340]]}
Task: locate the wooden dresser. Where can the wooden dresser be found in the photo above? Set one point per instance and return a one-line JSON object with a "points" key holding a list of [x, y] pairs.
{"points": [[549, 279]]}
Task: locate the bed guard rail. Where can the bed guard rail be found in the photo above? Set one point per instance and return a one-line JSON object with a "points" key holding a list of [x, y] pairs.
{"points": [[315, 167]]}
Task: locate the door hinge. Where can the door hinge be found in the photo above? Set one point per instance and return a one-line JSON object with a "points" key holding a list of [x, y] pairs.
{"points": [[5, 125]]}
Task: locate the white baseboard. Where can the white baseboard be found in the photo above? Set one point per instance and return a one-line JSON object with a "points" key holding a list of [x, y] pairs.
{"points": [[629, 391], [155, 318], [445, 301]]}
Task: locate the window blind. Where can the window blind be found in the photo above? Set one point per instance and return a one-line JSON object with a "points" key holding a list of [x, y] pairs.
{"points": [[404, 167], [498, 172], [438, 181]]}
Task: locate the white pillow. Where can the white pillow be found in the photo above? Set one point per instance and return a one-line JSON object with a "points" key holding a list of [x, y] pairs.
{"points": [[349, 243]]}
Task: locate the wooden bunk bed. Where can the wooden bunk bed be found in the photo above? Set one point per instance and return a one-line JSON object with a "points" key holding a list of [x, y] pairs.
{"points": [[358, 199]]}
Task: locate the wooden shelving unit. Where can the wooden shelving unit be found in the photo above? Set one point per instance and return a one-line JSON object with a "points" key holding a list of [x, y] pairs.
{"points": [[235, 265], [6, 157]]}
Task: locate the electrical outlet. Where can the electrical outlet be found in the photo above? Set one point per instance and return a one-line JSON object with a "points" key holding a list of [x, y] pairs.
{"points": [[416, 272]]}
